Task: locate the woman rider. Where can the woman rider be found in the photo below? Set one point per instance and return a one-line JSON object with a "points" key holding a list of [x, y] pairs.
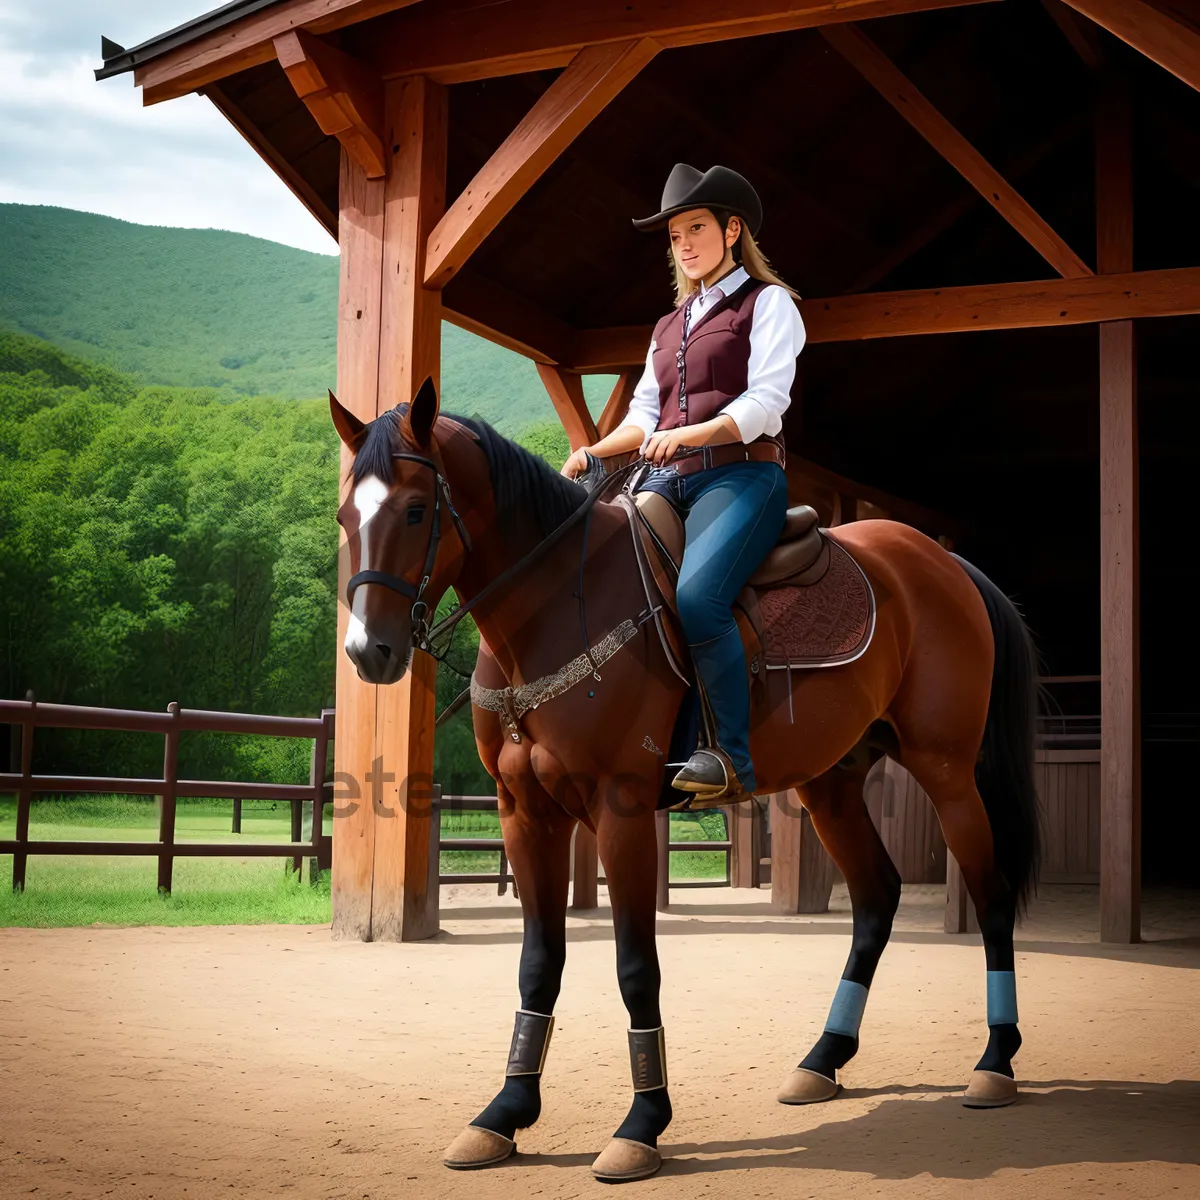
{"points": [[718, 374]]}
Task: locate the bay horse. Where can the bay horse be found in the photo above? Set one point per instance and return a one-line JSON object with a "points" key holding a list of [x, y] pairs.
{"points": [[435, 501]]}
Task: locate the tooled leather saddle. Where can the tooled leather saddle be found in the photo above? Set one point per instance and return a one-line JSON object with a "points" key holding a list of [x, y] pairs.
{"points": [[808, 605]]}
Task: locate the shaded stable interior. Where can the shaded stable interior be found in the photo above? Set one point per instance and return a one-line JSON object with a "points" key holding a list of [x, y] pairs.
{"points": [[992, 437]]}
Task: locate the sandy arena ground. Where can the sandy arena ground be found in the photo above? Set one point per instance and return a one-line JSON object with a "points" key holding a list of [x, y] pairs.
{"points": [[270, 1061]]}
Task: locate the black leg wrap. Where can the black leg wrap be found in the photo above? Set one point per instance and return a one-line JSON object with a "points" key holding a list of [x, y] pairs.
{"points": [[650, 1112], [1003, 1042], [833, 1050], [519, 1102]]}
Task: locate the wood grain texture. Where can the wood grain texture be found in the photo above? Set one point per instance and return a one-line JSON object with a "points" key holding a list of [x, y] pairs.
{"points": [[566, 393], [461, 40], [892, 84], [344, 96], [481, 306], [745, 832], [1082, 35], [1120, 633], [360, 234], [591, 80], [662, 836], [1161, 35], [247, 43], [801, 871]]}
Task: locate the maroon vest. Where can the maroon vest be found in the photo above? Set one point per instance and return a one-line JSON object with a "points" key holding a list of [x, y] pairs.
{"points": [[716, 359]]}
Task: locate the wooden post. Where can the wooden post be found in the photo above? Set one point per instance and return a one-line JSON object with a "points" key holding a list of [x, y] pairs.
{"points": [[389, 330], [24, 795], [317, 774], [584, 868], [235, 826], [1120, 651], [166, 823], [960, 914], [662, 832], [801, 870], [745, 832]]}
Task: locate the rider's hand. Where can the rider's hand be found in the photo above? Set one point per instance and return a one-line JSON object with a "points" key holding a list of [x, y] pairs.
{"points": [[663, 445], [576, 463]]}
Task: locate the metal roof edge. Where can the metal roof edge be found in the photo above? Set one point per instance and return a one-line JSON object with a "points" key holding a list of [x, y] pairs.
{"points": [[118, 60]]}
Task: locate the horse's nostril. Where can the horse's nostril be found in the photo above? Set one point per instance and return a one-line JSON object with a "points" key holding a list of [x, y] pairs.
{"points": [[386, 651]]}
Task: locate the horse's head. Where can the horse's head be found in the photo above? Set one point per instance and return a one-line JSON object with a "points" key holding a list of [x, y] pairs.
{"points": [[404, 541]]}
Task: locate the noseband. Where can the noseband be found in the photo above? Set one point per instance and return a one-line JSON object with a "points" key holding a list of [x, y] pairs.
{"points": [[420, 609]]}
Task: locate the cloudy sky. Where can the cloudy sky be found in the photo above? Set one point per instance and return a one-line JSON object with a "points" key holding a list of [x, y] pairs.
{"points": [[69, 141]]}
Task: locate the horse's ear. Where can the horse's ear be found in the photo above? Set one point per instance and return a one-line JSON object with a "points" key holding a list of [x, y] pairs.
{"points": [[422, 412], [349, 427]]}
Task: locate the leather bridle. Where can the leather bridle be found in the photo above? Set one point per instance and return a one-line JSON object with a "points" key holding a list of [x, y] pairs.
{"points": [[420, 608]]}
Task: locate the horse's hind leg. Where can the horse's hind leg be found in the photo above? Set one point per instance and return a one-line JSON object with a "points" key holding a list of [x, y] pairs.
{"points": [[951, 787], [537, 840], [839, 814]]}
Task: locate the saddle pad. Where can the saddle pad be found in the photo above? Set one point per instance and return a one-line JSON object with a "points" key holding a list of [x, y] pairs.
{"points": [[823, 625]]}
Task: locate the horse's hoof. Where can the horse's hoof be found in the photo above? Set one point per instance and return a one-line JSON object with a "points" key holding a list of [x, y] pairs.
{"points": [[476, 1147], [989, 1089], [807, 1087], [622, 1160]]}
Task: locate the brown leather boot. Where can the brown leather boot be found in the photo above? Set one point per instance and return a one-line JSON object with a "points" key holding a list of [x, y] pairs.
{"points": [[710, 778]]}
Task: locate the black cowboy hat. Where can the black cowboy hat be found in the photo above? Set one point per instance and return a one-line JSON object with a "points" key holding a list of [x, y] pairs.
{"points": [[718, 187]]}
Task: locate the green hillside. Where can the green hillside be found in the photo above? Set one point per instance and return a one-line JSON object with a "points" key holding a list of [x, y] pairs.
{"points": [[205, 308]]}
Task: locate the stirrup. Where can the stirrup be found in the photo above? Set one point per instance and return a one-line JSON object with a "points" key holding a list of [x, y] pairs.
{"points": [[703, 794]]}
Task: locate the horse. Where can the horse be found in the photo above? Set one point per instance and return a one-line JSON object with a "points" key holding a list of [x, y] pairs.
{"points": [[947, 687]]}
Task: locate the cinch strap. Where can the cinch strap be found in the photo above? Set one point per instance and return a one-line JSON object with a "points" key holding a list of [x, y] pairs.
{"points": [[1001, 998], [846, 1011], [530, 1041], [648, 1059]]}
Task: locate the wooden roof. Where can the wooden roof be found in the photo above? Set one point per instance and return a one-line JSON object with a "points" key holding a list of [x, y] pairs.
{"points": [[995, 427]]}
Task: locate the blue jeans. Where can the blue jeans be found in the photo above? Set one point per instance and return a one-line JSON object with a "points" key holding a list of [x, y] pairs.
{"points": [[732, 516]]}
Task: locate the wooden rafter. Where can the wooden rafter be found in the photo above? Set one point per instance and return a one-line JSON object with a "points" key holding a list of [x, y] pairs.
{"points": [[566, 394], [891, 83], [248, 43], [1149, 27], [595, 75], [617, 405], [460, 40], [1036, 304], [344, 97], [1083, 35], [479, 305], [303, 190]]}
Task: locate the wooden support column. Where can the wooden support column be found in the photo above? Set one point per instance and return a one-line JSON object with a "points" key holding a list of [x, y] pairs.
{"points": [[745, 832], [617, 406], [1120, 651], [566, 394], [388, 341], [662, 833], [801, 870], [960, 914]]}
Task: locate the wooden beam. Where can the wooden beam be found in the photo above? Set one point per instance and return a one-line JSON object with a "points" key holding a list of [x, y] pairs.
{"points": [[247, 43], [303, 190], [801, 869], [566, 393], [891, 83], [1036, 304], [1168, 39], [344, 97], [1120, 649], [617, 406], [1082, 35], [460, 40], [595, 75]]}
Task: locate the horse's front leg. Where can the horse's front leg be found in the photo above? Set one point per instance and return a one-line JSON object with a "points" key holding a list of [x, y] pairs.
{"points": [[537, 839], [625, 838]]}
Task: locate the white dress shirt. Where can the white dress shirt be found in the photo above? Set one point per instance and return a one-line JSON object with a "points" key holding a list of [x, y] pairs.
{"points": [[776, 338]]}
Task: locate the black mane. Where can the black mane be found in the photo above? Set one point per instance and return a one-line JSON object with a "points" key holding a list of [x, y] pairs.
{"points": [[525, 486]]}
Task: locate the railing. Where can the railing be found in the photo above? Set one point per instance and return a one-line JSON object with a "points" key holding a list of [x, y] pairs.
{"points": [[30, 715]]}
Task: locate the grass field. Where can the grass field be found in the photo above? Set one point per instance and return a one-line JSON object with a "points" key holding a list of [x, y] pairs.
{"points": [[86, 890]]}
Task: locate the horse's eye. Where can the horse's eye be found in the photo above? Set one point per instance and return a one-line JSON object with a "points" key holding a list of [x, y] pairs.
{"points": [[416, 514]]}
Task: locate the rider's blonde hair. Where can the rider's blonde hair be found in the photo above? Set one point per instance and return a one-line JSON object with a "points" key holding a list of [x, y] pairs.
{"points": [[745, 252]]}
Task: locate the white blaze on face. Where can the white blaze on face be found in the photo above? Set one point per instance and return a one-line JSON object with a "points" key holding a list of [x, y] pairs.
{"points": [[368, 496]]}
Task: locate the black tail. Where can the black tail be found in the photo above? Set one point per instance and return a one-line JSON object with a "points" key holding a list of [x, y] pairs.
{"points": [[1004, 773]]}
